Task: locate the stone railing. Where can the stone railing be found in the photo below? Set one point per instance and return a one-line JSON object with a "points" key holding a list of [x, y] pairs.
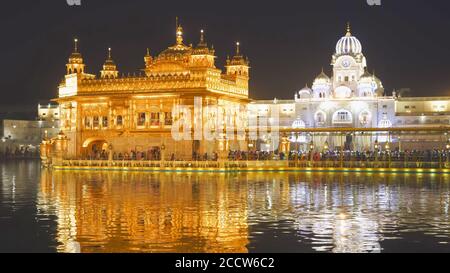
{"points": [[269, 164]]}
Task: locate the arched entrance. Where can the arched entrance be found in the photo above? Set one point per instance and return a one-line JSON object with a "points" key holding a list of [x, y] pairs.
{"points": [[95, 148]]}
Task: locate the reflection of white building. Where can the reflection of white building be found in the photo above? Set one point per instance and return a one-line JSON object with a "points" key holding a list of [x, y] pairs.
{"points": [[353, 98], [28, 134]]}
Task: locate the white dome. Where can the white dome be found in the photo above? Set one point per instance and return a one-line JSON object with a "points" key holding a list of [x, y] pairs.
{"points": [[322, 78], [348, 45], [305, 93], [366, 77]]}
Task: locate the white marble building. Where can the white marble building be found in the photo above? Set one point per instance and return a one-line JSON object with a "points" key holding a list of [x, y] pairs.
{"points": [[354, 98]]}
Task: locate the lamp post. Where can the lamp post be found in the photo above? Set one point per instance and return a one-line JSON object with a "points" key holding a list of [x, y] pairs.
{"points": [[296, 149], [311, 149], [110, 153], [376, 146], [388, 151], [326, 149], [447, 148], [163, 152], [311, 145], [342, 151]]}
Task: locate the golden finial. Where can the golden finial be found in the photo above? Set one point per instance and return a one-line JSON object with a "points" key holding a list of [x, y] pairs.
{"points": [[109, 53], [179, 33], [148, 51], [237, 48], [202, 36], [75, 41], [349, 33]]}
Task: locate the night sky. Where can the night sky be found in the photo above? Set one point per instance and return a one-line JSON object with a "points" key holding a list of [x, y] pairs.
{"points": [[407, 42]]}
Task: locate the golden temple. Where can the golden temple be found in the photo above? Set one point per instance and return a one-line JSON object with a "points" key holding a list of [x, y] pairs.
{"points": [[127, 114]]}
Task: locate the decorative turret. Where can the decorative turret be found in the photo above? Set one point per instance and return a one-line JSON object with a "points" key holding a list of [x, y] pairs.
{"points": [[305, 93], [148, 59], [75, 64], [238, 65], [379, 85], [202, 43], [109, 68], [322, 86], [202, 55], [366, 84]]}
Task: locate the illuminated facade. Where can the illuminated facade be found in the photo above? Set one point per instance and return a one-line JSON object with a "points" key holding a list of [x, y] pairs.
{"points": [[134, 113], [123, 114], [354, 98], [26, 135]]}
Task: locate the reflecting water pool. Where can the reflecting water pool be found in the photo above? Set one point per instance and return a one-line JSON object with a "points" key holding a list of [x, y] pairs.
{"points": [[45, 211]]}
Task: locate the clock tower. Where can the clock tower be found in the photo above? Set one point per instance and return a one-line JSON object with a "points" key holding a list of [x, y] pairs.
{"points": [[348, 62]]}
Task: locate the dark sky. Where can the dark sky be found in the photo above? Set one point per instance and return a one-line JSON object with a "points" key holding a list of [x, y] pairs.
{"points": [[407, 42]]}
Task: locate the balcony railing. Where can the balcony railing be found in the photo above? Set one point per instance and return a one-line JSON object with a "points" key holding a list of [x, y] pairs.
{"points": [[263, 164]]}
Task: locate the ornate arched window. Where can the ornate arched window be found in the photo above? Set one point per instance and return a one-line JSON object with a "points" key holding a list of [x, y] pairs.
{"points": [[320, 118], [300, 138], [385, 122], [298, 124], [342, 117], [365, 117]]}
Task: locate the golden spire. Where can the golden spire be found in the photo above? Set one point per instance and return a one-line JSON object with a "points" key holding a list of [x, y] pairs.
{"points": [[75, 41], [238, 59], [202, 36], [109, 67], [75, 64], [349, 33], [179, 32], [148, 59], [202, 43]]}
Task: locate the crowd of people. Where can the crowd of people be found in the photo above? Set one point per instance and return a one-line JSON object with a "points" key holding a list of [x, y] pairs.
{"points": [[19, 152], [393, 156], [407, 155], [150, 155]]}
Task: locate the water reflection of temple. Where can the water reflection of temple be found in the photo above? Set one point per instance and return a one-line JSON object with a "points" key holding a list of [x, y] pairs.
{"points": [[119, 212], [122, 212], [350, 212]]}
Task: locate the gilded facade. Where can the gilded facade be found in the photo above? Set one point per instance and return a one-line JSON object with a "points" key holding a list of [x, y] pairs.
{"points": [[130, 113]]}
